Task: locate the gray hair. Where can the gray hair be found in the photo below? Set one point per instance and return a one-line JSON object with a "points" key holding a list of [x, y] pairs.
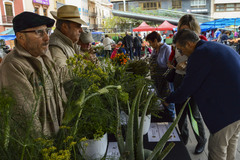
{"points": [[185, 35]]}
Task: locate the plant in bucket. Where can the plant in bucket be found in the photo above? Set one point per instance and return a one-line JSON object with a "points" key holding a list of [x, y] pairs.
{"points": [[135, 79], [132, 147], [92, 115]]}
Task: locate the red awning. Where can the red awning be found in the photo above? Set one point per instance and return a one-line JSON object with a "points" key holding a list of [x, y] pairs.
{"points": [[143, 27], [165, 26]]}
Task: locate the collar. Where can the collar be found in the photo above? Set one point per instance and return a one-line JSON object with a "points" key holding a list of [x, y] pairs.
{"points": [[64, 38], [199, 43]]}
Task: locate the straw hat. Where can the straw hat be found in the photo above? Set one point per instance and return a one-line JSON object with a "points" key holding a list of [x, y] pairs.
{"points": [[69, 13]]}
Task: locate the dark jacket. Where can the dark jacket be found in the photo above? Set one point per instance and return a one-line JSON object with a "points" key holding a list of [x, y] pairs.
{"points": [[128, 41], [213, 80], [137, 42]]}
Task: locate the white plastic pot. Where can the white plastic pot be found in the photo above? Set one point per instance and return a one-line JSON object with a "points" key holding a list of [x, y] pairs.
{"points": [[146, 123], [94, 149]]}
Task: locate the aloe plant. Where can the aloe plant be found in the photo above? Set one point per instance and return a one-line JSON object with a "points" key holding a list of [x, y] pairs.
{"points": [[133, 148]]}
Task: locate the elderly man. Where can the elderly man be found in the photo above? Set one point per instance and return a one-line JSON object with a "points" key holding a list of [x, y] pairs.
{"points": [[85, 42], [213, 81], [28, 72], [63, 42]]}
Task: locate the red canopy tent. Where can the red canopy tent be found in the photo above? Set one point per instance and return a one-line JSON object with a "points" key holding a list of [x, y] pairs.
{"points": [[165, 26], [143, 27]]}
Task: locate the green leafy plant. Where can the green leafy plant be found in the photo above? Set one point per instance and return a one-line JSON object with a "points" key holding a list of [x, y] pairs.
{"points": [[97, 112], [136, 76], [133, 146]]}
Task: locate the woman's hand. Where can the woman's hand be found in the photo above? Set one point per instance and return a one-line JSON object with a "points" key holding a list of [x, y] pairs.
{"points": [[181, 65]]}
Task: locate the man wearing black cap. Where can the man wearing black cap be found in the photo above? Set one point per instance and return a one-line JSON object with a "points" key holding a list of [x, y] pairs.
{"points": [[29, 73], [63, 42]]}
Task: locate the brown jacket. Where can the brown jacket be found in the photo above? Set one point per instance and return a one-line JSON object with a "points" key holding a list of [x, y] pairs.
{"points": [[22, 74]]}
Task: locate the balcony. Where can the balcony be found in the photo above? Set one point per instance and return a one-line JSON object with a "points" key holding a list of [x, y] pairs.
{"points": [[92, 14], [7, 19]]}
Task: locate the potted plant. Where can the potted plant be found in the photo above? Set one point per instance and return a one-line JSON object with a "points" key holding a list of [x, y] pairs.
{"points": [[133, 146], [97, 112], [135, 78]]}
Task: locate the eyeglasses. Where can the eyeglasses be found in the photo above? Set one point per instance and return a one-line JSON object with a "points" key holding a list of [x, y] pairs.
{"points": [[40, 32], [179, 50]]}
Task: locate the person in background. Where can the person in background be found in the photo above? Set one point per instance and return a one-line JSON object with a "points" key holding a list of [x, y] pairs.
{"points": [[128, 44], [85, 41], [63, 41], [225, 37], [107, 43], [120, 38], [187, 22], [164, 36], [217, 33], [212, 81], [238, 31], [230, 35], [30, 74], [137, 45], [208, 35], [158, 66], [235, 34]]}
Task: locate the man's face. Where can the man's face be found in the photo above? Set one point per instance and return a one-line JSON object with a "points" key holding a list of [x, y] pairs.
{"points": [[34, 40], [73, 31], [185, 50]]}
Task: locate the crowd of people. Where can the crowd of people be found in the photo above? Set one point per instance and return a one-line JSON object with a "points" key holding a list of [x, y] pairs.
{"points": [[206, 71]]}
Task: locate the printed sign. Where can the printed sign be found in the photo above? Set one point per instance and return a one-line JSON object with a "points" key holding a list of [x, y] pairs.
{"points": [[45, 2]]}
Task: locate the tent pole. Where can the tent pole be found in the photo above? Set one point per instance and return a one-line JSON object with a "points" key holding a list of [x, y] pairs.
{"points": [[234, 27]]}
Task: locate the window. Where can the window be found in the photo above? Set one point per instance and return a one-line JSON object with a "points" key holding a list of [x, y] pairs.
{"points": [[8, 7], [36, 10], [45, 11], [219, 7], [230, 7], [237, 7], [121, 7], [151, 5], [176, 4], [198, 2], [8, 17]]}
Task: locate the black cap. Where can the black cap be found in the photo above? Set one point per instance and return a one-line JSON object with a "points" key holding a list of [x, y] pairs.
{"points": [[26, 20]]}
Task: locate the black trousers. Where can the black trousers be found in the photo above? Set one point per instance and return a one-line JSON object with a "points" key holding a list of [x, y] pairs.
{"points": [[182, 124]]}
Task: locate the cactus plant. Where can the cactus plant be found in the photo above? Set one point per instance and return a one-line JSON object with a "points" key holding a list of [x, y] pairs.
{"points": [[133, 148]]}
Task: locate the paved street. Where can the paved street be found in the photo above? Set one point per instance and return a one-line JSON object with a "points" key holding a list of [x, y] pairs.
{"points": [[192, 144]]}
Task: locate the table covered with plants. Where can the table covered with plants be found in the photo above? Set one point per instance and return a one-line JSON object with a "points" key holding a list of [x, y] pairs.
{"points": [[98, 92]]}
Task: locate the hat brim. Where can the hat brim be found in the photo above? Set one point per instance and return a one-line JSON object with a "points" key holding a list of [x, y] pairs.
{"points": [[76, 20], [87, 40]]}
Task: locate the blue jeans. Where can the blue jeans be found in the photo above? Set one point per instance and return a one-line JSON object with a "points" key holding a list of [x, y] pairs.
{"points": [[138, 52]]}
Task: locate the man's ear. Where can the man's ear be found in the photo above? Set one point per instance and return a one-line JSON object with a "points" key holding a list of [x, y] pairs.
{"points": [[64, 27], [20, 36]]}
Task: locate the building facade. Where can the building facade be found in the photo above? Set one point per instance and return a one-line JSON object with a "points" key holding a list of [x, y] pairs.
{"points": [[8, 9], [98, 11], [225, 9], [190, 6]]}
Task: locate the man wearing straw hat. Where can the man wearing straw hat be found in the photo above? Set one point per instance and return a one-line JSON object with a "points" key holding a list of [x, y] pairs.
{"points": [[63, 42]]}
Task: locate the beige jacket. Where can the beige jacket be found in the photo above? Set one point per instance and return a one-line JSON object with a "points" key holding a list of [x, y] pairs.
{"points": [[22, 74], [62, 48]]}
